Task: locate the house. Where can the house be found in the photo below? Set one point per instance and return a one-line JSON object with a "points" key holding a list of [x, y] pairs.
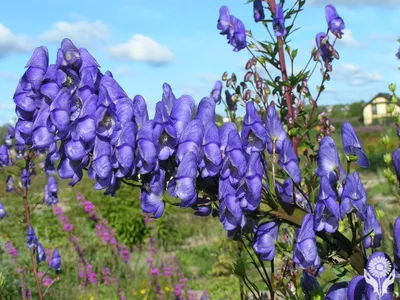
{"points": [[377, 108]]}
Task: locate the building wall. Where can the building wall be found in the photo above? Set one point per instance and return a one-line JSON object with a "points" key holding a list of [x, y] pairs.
{"points": [[380, 111]]}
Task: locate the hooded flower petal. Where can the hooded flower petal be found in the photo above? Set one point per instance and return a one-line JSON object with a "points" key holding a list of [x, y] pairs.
{"points": [[337, 291], [3, 212], [354, 197], [278, 22], [152, 194], [371, 224], [275, 132], [55, 262], [258, 10], [335, 23], [396, 244], [264, 240], [352, 145], [216, 92], [289, 161], [305, 248], [253, 131], [328, 160], [31, 239]]}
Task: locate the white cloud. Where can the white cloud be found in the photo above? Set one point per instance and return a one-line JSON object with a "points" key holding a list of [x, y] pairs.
{"points": [[123, 70], [209, 78], [354, 75], [348, 39], [352, 3], [7, 106], [81, 33], [142, 48], [6, 75], [12, 43]]}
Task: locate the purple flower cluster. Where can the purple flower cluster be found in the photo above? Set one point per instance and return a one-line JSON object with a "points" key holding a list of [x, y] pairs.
{"points": [[233, 28], [104, 230]]}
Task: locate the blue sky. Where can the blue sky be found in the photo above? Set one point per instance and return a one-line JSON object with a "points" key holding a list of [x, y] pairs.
{"points": [[146, 43]]}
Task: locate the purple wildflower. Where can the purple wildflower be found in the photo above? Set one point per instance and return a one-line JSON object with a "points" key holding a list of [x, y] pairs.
{"points": [[335, 23], [328, 161], [371, 224], [55, 262], [352, 145], [258, 10], [278, 22], [264, 240]]}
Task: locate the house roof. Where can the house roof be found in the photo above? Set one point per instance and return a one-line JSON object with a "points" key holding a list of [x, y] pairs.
{"points": [[387, 96]]}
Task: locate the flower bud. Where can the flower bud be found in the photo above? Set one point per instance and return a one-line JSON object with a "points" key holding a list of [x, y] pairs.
{"points": [[225, 76], [392, 87], [229, 82], [249, 63], [385, 140], [233, 77], [259, 83], [248, 75], [387, 158]]}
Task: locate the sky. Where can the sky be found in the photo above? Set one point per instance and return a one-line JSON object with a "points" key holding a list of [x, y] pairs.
{"points": [[146, 43]]}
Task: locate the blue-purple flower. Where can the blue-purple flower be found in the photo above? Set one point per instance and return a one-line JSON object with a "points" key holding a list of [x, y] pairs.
{"points": [[55, 262], [50, 192], [31, 239], [4, 156], [275, 133], [354, 197], [305, 253], [396, 244], [264, 240], [233, 28], [328, 161], [40, 253], [337, 291], [253, 131], [325, 50], [234, 165], [326, 208], [216, 92], [352, 145], [152, 193], [258, 10], [183, 185], [290, 194], [211, 158], [250, 188], [231, 213], [335, 23], [231, 105], [10, 185], [288, 161], [146, 150], [190, 140], [396, 163], [309, 285], [278, 22], [25, 178], [3, 212], [206, 111], [373, 228]]}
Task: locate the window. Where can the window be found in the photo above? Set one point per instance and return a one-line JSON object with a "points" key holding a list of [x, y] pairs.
{"points": [[373, 108]]}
